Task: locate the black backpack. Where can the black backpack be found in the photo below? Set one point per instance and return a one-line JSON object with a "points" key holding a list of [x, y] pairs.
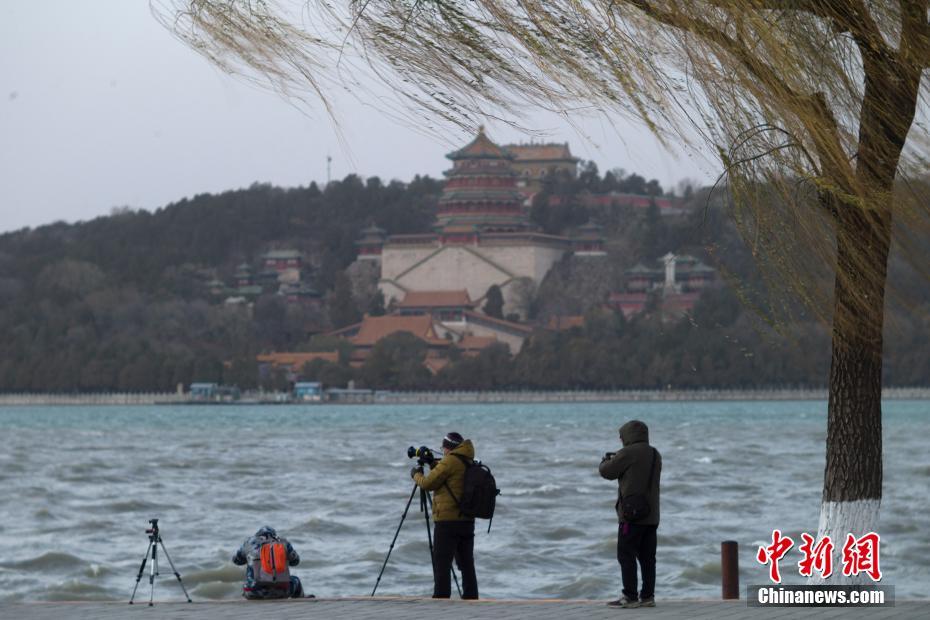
{"points": [[480, 491]]}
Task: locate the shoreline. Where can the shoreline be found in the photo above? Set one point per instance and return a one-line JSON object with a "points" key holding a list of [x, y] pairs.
{"points": [[439, 398], [418, 608]]}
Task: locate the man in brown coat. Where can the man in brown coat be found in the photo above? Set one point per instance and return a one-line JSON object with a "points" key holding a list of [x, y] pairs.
{"points": [[453, 533], [636, 468]]}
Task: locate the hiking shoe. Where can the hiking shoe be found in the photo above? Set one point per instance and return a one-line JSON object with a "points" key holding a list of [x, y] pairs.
{"points": [[647, 602], [624, 603]]}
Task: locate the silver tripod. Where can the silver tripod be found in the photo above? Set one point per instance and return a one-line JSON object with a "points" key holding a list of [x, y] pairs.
{"points": [[152, 552]]}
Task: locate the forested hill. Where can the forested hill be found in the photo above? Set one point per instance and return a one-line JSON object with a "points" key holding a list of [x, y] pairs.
{"points": [[158, 252], [124, 302], [120, 302]]}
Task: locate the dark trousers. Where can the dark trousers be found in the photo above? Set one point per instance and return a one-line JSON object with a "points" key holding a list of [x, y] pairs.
{"points": [[637, 543], [454, 539], [294, 590]]}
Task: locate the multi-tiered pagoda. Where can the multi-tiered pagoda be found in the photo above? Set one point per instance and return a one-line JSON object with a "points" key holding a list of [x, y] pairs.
{"points": [[480, 195], [483, 237]]}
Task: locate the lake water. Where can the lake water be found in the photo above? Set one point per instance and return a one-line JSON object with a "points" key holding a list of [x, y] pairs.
{"points": [[81, 483]]}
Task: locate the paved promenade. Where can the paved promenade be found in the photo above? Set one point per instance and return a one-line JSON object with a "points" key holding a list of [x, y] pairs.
{"points": [[427, 609]]}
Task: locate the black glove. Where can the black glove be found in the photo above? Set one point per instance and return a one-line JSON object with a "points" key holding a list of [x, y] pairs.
{"points": [[416, 470]]}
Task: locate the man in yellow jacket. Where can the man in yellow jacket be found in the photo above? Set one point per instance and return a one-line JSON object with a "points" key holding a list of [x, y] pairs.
{"points": [[453, 533]]}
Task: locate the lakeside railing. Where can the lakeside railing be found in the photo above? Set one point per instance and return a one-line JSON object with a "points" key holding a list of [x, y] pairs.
{"points": [[449, 397]]}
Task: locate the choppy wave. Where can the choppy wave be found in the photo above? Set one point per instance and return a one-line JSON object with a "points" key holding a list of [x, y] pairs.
{"points": [[49, 561], [228, 573], [707, 573], [562, 533], [545, 489], [216, 590], [77, 590], [86, 486]]}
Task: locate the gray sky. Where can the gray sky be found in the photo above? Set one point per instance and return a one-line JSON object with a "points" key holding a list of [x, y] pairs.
{"points": [[102, 107]]}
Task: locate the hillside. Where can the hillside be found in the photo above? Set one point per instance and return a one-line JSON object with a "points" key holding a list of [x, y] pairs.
{"points": [[135, 300]]}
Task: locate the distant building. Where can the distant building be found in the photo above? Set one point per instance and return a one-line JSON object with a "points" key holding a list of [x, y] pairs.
{"points": [[676, 285], [483, 235], [366, 334], [216, 287], [534, 162], [291, 363], [473, 345], [203, 391], [443, 322], [563, 323], [589, 241], [300, 293], [371, 243], [477, 324], [308, 391], [443, 306], [282, 260], [212, 392], [243, 276], [667, 205]]}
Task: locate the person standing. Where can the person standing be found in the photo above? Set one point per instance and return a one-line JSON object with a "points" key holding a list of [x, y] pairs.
{"points": [[453, 533], [636, 468]]}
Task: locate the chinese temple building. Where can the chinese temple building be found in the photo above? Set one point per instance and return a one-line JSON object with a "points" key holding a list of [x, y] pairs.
{"points": [[481, 193], [533, 163], [589, 241], [482, 236], [371, 242], [676, 284]]}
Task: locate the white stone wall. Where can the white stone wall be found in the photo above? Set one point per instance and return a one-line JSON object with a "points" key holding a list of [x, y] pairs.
{"points": [[474, 268], [396, 259]]}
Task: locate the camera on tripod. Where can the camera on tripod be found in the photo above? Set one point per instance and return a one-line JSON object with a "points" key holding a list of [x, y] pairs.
{"points": [[154, 529], [423, 455]]}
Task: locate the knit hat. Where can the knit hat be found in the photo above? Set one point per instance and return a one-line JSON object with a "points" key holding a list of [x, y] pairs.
{"points": [[452, 440]]}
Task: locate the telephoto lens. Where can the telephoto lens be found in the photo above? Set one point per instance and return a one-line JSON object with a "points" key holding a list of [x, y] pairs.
{"points": [[423, 454]]}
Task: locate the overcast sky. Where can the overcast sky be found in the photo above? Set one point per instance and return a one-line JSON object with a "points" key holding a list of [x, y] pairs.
{"points": [[102, 108]]}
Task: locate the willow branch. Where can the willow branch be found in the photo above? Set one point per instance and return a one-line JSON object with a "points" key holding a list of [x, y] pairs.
{"points": [[915, 33], [823, 129]]}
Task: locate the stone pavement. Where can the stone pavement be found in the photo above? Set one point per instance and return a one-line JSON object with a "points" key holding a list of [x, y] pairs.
{"points": [[385, 608]]}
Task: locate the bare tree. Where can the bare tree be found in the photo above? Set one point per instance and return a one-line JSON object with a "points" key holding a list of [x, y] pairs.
{"points": [[810, 105]]}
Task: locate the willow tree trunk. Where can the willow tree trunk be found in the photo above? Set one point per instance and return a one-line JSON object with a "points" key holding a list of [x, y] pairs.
{"points": [[852, 489]]}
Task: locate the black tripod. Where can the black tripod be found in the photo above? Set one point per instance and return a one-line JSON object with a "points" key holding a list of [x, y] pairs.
{"points": [[154, 541], [426, 505]]}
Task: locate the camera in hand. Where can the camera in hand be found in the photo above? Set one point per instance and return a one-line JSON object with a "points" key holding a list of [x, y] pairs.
{"points": [[423, 455], [609, 455]]}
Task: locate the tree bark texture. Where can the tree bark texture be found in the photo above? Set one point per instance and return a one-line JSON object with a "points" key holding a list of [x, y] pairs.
{"points": [[854, 412], [863, 237], [852, 489]]}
